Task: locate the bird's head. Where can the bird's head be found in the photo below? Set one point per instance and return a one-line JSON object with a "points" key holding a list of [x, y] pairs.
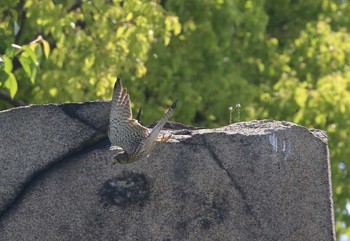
{"points": [[122, 158]]}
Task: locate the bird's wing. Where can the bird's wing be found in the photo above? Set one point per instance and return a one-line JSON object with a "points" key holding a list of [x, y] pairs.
{"points": [[123, 130], [156, 130]]}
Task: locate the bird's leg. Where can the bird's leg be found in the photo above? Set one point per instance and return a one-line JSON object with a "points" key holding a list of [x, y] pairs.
{"points": [[163, 138]]}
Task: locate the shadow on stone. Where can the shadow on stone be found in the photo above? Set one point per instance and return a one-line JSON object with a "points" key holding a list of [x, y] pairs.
{"points": [[125, 190]]}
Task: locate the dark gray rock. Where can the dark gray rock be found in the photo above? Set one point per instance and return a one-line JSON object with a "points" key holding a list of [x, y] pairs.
{"points": [[34, 138], [258, 180]]}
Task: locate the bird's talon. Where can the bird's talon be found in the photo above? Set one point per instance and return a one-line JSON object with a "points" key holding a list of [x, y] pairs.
{"points": [[164, 138]]}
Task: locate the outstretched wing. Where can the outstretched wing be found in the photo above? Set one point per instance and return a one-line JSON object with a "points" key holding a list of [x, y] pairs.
{"points": [[156, 130], [123, 130]]}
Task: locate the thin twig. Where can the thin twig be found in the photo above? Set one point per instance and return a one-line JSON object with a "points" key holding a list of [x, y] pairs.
{"points": [[15, 102]]}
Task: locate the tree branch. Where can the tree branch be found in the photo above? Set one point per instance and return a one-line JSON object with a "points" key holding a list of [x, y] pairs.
{"points": [[15, 102]]}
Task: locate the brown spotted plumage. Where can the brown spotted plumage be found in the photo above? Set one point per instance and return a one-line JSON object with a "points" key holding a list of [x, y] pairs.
{"points": [[136, 140]]}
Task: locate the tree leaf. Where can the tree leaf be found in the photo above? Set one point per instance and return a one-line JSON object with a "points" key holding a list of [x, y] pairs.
{"points": [[31, 54], [29, 67], [7, 64], [33, 75], [46, 46], [11, 84], [10, 52], [3, 76]]}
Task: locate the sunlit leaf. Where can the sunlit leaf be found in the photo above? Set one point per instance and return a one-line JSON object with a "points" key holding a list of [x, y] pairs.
{"points": [[11, 84], [31, 54], [7, 64], [46, 46], [10, 52], [129, 16], [53, 92], [34, 73], [29, 67], [301, 96]]}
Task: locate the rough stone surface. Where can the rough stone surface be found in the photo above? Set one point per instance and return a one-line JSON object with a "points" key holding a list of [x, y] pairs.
{"points": [[259, 180]]}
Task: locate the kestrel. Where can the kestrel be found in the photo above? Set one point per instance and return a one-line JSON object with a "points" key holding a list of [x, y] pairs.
{"points": [[136, 140]]}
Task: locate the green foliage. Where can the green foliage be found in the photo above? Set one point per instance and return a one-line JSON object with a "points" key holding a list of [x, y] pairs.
{"points": [[212, 54], [95, 41], [28, 55], [283, 60]]}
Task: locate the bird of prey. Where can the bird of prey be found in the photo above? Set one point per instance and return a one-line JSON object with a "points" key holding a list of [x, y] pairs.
{"points": [[127, 133]]}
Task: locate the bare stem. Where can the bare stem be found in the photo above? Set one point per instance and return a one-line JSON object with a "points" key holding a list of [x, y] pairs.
{"points": [[6, 97]]}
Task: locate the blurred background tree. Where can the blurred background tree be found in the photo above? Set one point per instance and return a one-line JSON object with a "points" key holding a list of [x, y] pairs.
{"points": [[286, 60]]}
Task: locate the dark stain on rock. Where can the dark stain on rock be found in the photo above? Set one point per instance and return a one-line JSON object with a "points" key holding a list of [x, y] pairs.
{"points": [[181, 226], [206, 224], [127, 189], [220, 208], [209, 215]]}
